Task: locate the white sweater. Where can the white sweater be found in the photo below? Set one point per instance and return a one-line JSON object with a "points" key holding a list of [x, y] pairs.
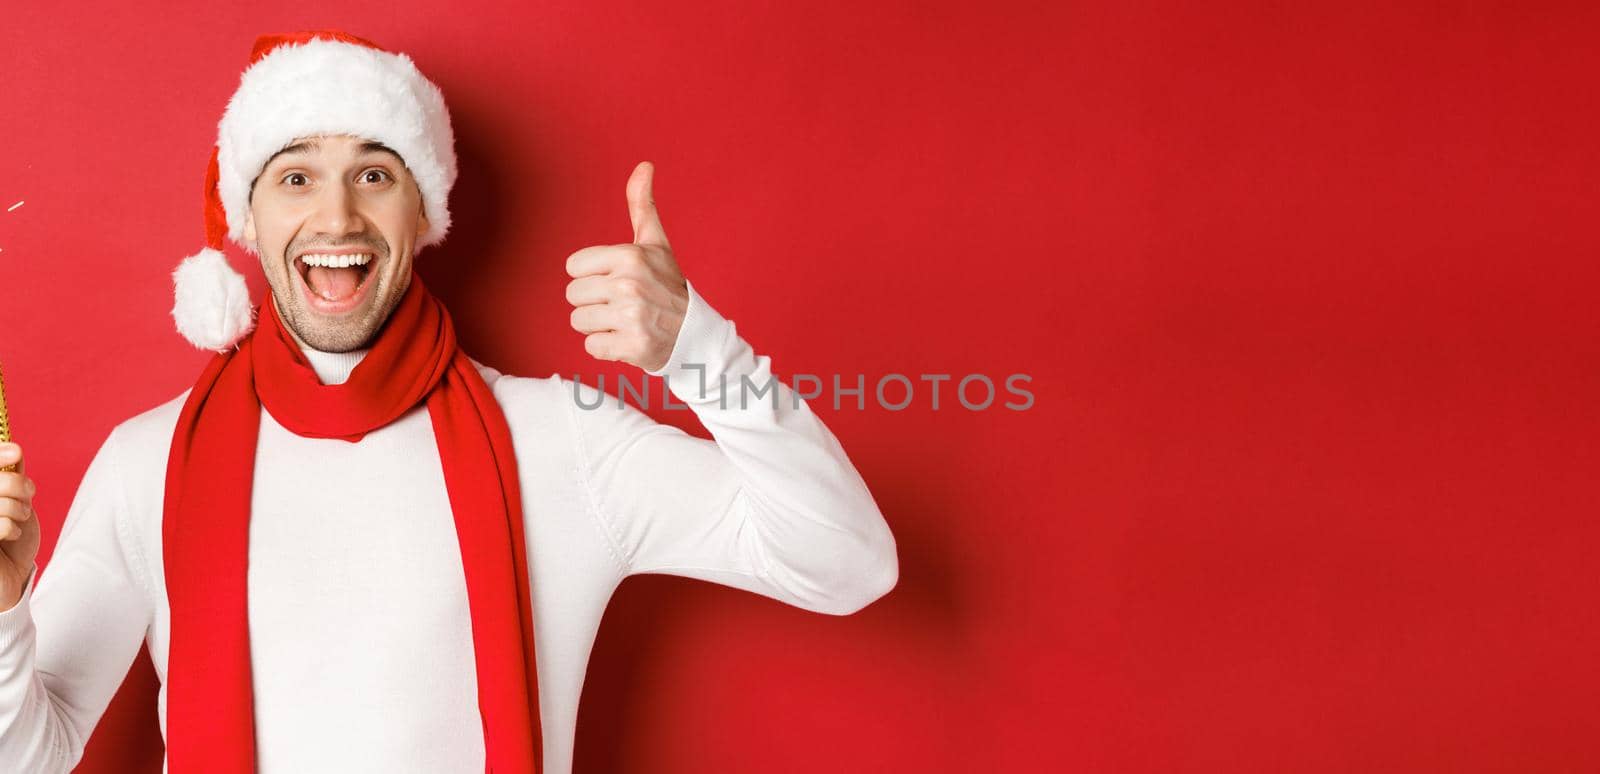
{"points": [[360, 633]]}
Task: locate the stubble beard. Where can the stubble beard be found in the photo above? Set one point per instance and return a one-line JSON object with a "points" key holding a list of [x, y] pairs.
{"points": [[352, 334]]}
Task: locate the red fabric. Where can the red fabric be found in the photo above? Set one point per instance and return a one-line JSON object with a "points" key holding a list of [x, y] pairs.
{"points": [[210, 726], [266, 43]]}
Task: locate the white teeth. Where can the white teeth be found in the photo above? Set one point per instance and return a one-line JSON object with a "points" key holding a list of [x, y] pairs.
{"points": [[335, 261]]}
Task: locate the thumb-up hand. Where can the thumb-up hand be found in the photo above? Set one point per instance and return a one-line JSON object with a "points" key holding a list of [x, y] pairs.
{"points": [[630, 299]]}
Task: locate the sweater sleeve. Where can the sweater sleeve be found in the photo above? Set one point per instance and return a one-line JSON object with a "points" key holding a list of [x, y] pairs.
{"points": [[772, 505], [67, 645]]}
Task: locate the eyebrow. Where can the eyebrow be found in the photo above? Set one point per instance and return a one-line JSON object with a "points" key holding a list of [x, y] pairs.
{"points": [[310, 145]]}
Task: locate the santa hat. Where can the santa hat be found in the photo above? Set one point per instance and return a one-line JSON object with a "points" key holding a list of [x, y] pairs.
{"points": [[298, 85]]}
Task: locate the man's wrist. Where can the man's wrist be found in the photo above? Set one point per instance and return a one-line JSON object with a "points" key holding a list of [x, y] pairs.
{"points": [[694, 370], [686, 342], [13, 616]]}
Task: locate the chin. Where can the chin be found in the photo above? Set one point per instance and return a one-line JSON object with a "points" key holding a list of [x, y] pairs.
{"points": [[352, 330], [338, 341]]}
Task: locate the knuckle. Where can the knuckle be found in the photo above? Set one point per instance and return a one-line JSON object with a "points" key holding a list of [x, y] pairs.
{"points": [[628, 287]]}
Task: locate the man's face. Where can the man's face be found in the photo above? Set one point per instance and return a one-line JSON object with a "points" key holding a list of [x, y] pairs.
{"points": [[335, 199]]}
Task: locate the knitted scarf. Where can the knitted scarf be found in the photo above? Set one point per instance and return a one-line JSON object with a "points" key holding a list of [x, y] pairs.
{"points": [[206, 524]]}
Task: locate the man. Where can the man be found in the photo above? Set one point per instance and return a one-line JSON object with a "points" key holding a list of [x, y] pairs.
{"points": [[351, 548]]}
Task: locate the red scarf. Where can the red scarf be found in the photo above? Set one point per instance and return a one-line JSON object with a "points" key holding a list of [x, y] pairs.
{"points": [[206, 526]]}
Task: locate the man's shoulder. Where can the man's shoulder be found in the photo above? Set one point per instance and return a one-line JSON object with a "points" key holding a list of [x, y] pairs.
{"points": [[521, 392], [542, 407], [152, 427]]}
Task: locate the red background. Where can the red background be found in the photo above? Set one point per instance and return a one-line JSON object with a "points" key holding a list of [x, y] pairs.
{"points": [[1306, 294]]}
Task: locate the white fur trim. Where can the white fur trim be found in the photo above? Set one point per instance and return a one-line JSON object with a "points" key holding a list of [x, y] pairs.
{"points": [[332, 87], [212, 304]]}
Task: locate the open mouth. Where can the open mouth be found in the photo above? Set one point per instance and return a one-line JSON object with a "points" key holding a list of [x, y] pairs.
{"points": [[335, 283]]}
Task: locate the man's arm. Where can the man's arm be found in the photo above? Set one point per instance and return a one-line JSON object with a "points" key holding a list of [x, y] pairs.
{"points": [[772, 505], [66, 646]]}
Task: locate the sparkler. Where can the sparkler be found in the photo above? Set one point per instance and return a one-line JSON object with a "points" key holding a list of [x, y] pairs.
{"points": [[5, 419]]}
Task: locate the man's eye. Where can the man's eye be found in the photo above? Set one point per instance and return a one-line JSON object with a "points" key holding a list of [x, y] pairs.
{"points": [[382, 175], [293, 175]]}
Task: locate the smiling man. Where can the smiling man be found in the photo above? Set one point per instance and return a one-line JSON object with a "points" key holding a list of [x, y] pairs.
{"points": [[337, 281], [350, 547]]}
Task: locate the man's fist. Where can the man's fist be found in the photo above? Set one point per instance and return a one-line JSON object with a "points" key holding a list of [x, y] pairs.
{"points": [[19, 529], [630, 298]]}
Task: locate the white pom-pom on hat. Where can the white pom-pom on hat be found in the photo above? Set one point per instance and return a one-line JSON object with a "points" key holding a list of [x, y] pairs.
{"points": [[212, 303], [297, 85]]}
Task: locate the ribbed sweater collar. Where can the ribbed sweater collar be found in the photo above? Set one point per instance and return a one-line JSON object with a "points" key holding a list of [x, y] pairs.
{"points": [[334, 367]]}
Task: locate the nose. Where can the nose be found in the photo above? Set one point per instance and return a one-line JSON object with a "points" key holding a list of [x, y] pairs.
{"points": [[336, 214]]}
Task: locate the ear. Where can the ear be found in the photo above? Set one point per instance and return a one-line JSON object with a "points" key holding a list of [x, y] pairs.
{"points": [[422, 219], [249, 227]]}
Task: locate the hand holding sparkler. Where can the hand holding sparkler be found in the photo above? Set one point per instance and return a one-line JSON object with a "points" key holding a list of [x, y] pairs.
{"points": [[19, 529]]}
